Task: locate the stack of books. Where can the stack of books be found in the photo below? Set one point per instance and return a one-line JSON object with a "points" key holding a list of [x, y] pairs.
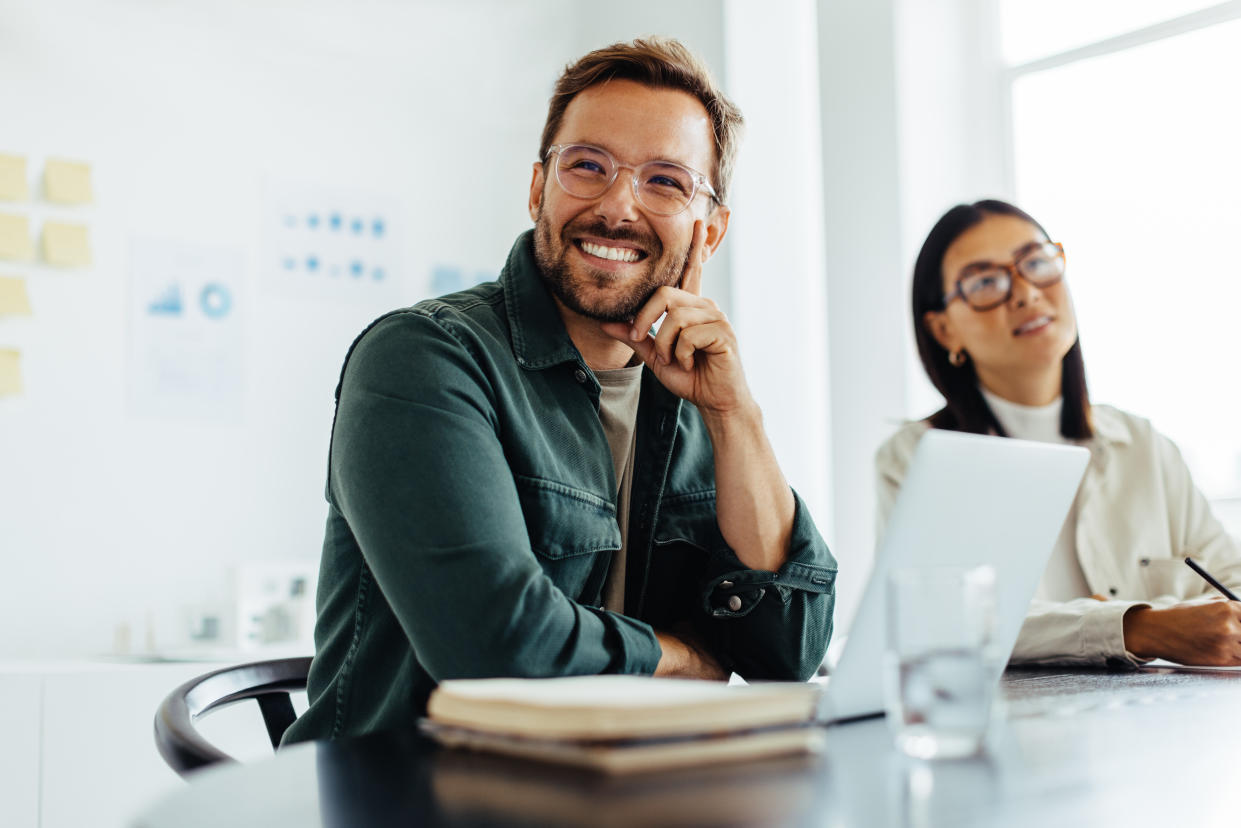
{"points": [[625, 724]]}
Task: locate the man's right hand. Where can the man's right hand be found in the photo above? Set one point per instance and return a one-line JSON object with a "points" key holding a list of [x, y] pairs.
{"points": [[1206, 635], [685, 657]]}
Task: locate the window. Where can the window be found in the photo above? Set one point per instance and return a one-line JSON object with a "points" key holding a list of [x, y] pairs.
{"points": [[1130, 156], [1033, 30]]}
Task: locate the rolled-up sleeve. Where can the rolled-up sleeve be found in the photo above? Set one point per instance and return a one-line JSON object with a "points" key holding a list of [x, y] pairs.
{"points": [[773, 625], [418, 471]]}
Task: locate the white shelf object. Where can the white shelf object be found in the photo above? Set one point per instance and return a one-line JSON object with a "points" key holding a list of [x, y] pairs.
{"points": [[79, 747]]}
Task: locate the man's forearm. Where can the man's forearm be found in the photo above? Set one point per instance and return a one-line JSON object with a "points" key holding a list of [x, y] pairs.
{"points": [[754, 503]]}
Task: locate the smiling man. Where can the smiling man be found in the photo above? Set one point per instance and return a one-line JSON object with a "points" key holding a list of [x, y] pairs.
{"points": [[526, 479]]}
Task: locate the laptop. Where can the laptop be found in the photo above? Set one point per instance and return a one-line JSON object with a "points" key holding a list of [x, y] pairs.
{"points": [[967, 500]]}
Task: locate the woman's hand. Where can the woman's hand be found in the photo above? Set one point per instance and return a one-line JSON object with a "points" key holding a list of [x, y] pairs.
{"points": [[1207, 635]]}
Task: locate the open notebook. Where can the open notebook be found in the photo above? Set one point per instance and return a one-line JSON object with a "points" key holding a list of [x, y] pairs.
{"points": [[623, 724]]}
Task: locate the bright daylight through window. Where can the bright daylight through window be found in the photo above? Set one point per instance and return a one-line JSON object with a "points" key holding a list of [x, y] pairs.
{"points": [[1131, 157]]}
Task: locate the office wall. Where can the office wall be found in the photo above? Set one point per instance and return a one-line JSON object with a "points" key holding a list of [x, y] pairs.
{"points": [[913, 121], [862, 238], [202, 121], [953, 119], [124, 497], [779, 285]]}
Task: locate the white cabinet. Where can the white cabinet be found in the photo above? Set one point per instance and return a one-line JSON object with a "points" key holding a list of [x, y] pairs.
{"points": [[21, 700], [78, 745]]}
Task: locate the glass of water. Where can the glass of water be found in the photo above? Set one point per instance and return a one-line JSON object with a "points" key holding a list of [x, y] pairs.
{"points": [[940, 659]]}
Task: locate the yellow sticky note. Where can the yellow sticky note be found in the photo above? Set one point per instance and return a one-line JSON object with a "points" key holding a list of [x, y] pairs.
{"points": [[14, 301], [67, 182], [10, 371], [66, 245], [15, 238], [13, 178]]}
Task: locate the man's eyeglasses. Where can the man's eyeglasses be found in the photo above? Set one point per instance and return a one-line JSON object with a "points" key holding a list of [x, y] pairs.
{"points": [[663, 187], [987, 286]]}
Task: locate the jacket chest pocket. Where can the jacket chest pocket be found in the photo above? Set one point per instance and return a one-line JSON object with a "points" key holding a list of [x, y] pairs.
{"points": [[1169, 576], [689, 521], [573, 534], [688, 550]]}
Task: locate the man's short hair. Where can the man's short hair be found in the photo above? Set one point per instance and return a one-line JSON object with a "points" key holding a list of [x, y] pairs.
{"points": [[659, 62]]}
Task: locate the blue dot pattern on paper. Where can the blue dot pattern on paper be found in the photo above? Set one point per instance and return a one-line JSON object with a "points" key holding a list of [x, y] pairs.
{"points": [[312, 263], [378, 274], [312, 221], [355, 268], [446, 279], [378, 227], [290, 263], [357, 226], [335, 221]]}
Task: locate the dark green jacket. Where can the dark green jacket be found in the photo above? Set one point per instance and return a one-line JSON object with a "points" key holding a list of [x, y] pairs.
{"points": [[472, 521]]}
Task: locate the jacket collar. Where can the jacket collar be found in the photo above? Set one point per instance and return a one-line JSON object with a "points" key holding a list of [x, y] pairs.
{"points": [[1109, 427], [538, 333]]}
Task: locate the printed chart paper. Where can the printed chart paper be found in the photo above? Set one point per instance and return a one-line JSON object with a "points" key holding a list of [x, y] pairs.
{"points": [[332, 244], [185, 331]]}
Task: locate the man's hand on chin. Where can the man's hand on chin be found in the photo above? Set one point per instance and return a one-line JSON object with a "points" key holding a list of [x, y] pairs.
{"points": [[694, 354]]}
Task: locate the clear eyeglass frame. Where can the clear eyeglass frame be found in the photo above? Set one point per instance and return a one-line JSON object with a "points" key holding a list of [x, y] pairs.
{"points": [[1054, 251], [699, 180]]}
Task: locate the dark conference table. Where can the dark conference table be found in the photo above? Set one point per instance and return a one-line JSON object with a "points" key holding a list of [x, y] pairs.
{"points": [[1154, 747]]}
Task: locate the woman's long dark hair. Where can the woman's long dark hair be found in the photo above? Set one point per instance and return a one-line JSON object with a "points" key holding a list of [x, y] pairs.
{"points": [[966, 409]]}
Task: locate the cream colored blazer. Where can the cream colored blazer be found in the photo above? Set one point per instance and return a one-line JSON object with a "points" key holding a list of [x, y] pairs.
{"points": [[1138, 516]]}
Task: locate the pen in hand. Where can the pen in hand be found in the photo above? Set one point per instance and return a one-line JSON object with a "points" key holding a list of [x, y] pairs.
{"points": [[1206, 576]]}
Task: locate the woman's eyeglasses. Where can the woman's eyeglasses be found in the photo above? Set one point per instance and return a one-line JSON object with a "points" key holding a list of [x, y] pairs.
{"points": [[987, 286]]}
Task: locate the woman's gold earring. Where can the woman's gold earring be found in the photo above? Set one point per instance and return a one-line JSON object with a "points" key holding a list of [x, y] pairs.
{"points": [[957, 358]]}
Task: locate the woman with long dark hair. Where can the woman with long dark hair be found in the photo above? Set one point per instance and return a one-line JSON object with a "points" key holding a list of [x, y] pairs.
{"points": [[997, 335]]}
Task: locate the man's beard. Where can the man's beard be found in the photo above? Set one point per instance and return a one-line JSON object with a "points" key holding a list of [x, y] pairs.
{"points": [[570, 288]]}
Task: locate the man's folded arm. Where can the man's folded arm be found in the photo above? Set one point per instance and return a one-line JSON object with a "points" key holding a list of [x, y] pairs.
{"points": [[419, 473], [772, 625]]}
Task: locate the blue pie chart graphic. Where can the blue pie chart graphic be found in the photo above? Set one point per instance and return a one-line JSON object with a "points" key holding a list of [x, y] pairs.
{"points": [[215, 300]]}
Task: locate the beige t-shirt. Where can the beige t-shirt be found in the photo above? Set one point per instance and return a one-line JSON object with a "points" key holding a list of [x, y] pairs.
{"points": [[619, 390]]}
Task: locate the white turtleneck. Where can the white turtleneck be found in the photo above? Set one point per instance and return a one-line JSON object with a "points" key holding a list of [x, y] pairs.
{"points": [[1063, 580]]}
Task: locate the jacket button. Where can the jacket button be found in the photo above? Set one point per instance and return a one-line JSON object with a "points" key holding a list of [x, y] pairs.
{"points": [[734, 603], [1112, 590], [726, 584], [579, 375]]}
